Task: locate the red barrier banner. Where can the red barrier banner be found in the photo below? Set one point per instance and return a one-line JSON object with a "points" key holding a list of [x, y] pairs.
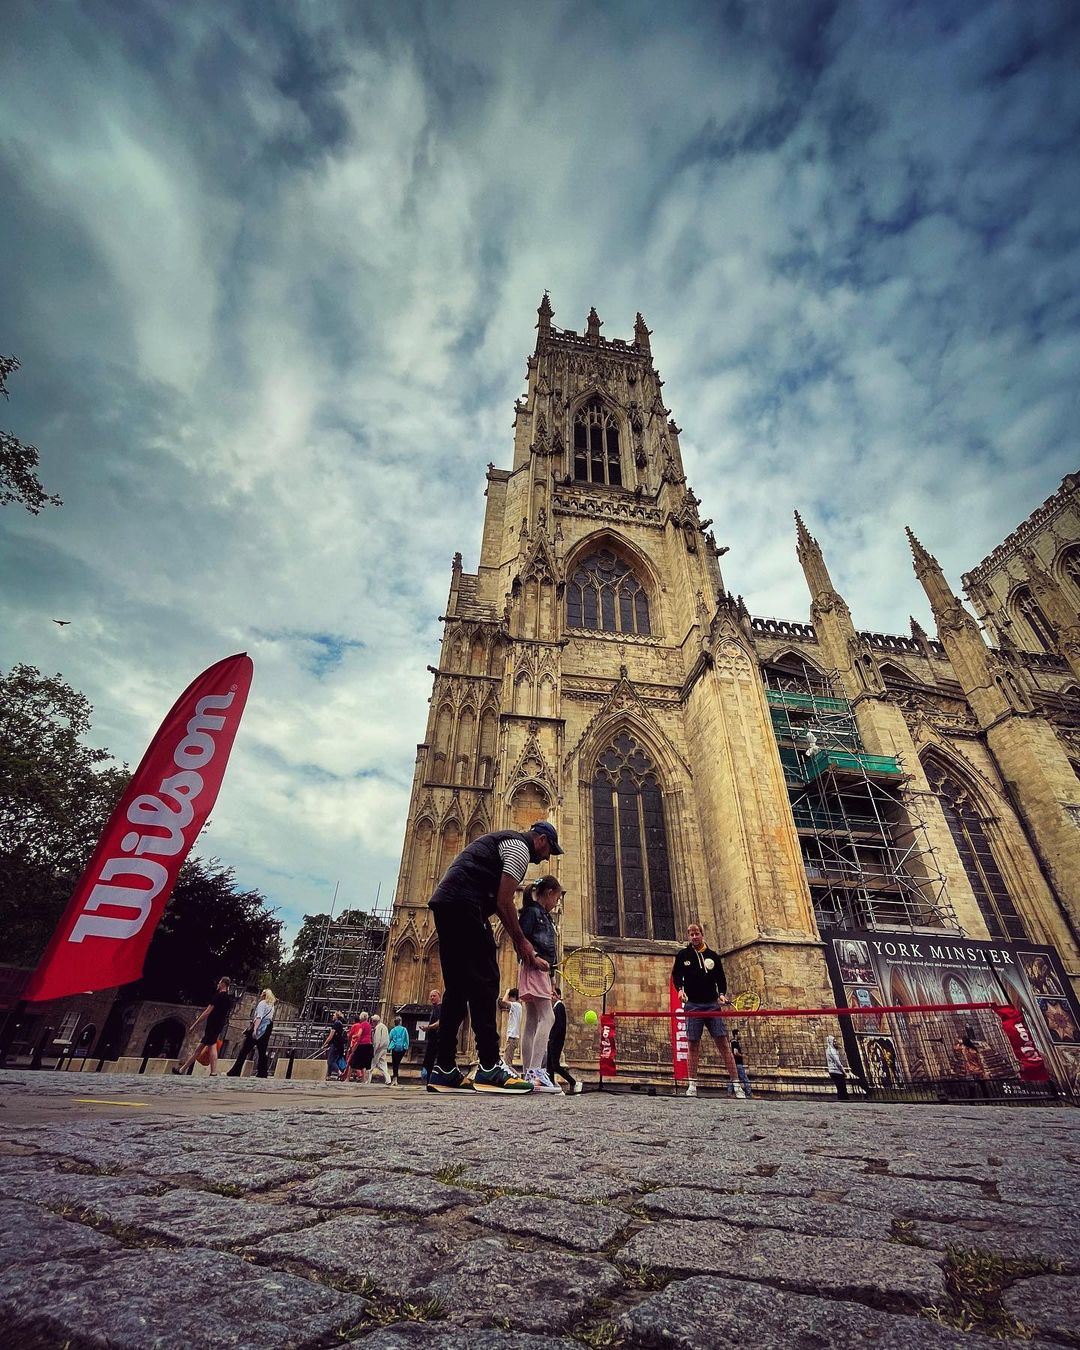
{"points": [[1033, 1068], [680, 1044], [607, 1045], [103, 937]]}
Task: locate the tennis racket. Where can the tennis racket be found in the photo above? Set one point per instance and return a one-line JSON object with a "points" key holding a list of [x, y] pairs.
{"points": [[589, 971], [747, 1001]]}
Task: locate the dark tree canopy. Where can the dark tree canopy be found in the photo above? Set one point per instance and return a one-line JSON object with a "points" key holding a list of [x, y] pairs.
{"points": [[18, 463]]}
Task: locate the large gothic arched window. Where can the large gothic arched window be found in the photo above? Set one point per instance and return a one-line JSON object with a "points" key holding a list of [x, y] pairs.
{"points": [[605, 594], [596, 445], [966, 826], [1070, 565], [633, 871], [1029, 610]]}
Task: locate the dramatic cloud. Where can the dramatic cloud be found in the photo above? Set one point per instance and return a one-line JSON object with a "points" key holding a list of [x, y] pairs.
{"points": [[272, 273]]}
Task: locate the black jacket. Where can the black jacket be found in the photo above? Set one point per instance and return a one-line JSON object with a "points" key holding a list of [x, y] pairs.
{"points": [[475, 874], [699, 974]]}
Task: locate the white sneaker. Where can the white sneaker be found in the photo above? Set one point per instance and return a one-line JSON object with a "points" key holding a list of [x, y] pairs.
{"points": [[576, 1088], [691, 1089], [540, 1081], [738, 1090]]}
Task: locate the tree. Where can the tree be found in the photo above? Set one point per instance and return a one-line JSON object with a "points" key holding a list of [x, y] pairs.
{"points": [[210, 929], [56, 794], [18, 463]]}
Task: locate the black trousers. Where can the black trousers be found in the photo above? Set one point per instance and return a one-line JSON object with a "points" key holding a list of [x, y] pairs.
{"points": [[841, 1083], [262, 1049], [396, 1056], [241, 1058], [471, 981], [555, 1066]]}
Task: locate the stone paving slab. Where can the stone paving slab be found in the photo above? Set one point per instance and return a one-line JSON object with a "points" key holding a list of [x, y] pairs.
{"points": [[486, 1280], [29, 1235], [837, 1266], [1049, 1303], [72, 1188], [691, 1314], [585, 1228], [431, 1336], [813, 1217], [411, 1194], [399, 1258], [201, 1218], [148, 1300]]}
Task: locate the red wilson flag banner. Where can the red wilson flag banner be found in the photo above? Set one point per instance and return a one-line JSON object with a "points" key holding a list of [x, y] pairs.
{"points": [[680, 1044], [607, 1046], [102, 939], [1033, 1068]]}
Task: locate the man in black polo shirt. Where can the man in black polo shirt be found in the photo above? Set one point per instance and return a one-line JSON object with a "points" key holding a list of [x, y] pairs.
{"points": [[699, 979], [481, 881]]}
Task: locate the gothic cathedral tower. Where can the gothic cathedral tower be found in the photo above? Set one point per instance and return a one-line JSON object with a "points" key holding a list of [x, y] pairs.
{"points": [[594, 670]]}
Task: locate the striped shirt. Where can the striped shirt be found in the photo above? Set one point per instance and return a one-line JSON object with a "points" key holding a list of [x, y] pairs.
{"points": [[514, 856]]}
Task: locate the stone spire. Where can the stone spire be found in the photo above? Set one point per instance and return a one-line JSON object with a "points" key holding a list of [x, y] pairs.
{"points": [[808, 551], [545, 313], [928, 570], [641, 334], [594, 324]]}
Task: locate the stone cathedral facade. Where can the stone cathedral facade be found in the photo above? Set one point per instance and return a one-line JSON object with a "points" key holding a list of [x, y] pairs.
{"points": [[777, 780]]}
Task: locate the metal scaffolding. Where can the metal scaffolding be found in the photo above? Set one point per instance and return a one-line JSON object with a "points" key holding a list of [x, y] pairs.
{"points": [[346, 974], [863, 836]]}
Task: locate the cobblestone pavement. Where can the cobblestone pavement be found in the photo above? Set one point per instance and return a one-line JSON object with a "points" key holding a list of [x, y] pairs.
{"points": [[187, 1213]]}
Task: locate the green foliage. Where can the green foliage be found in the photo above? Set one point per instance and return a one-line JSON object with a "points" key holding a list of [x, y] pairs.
{"points": [[55, 795], [18, 463]]}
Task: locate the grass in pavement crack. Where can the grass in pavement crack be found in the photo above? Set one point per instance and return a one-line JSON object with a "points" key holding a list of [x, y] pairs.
{"points": [[976, 1281]]}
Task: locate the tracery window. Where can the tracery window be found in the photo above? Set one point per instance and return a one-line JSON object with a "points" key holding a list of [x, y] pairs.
{"points": [[966, 826], [1070, 565], [604, 594], [596, 445], [632, 867], [1028, 609]]}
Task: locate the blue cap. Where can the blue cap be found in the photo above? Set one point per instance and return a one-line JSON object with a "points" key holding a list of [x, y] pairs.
{"points": [[546, 828]]}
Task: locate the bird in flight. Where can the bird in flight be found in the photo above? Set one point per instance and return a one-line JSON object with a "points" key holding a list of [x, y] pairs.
{"points": [[63, 623]]}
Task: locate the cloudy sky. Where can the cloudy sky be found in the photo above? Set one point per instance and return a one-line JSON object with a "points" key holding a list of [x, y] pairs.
{"points": [[272, 272]]}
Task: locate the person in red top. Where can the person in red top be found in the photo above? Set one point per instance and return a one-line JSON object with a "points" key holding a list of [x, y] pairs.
{"points": [[361, 1049]]}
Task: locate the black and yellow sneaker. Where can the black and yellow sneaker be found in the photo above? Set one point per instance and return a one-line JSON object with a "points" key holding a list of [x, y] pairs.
{"points": [[448, 1080], [501, 1079]]}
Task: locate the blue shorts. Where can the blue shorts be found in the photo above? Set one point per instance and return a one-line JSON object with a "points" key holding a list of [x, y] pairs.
{"points": [[696, 1025]]}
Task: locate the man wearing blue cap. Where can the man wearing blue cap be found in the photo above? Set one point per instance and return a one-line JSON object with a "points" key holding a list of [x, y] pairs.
{"points": [[481, 881]]}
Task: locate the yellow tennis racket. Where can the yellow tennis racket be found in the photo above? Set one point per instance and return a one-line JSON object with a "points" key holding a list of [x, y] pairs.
{"points": [[747, 1001]]}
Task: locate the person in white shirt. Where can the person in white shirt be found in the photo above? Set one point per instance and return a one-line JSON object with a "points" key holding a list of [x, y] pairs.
{"points": [[512, 1003]]}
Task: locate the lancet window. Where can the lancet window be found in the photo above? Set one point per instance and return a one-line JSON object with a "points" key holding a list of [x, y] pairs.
{"points": [[596, 445], [631, 857], [605, 595], [965, 823], [1028, 609]]}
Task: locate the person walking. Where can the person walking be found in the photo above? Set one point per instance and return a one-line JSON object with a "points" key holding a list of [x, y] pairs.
{"points": [[835, 1066], [482, 881], [556, 1041], [399, 1048], [257, 1037], [334, 1046], [216, 1014], [361, 1050], [538, 903], [380, 1046], [740, 1064], [699, 979], [512, 1004], [430, 1028]]}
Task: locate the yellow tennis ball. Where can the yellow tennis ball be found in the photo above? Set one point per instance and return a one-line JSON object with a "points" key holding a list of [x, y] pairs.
{"points": [[591, 1018]]}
